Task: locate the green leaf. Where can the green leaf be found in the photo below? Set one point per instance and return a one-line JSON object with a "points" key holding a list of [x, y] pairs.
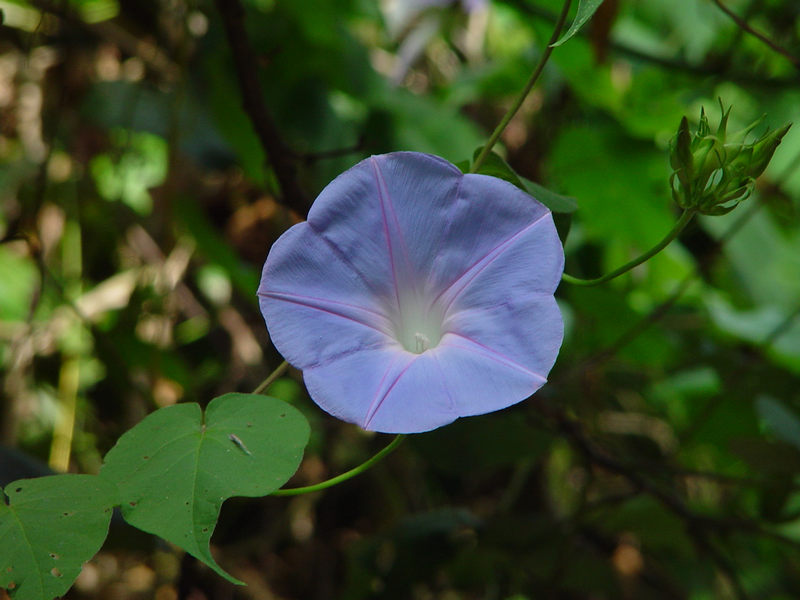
{"points": [[18, 279], [176, 467], [555, 202], [49, 528], [779, 419], [586, 8], [593, 163], [561, 206], [136, 163], [495, 166]]}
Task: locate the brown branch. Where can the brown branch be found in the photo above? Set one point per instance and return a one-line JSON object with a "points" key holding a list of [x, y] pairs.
{"points": [[245, 61], [757, 34], [674, 503], [698, 527]]}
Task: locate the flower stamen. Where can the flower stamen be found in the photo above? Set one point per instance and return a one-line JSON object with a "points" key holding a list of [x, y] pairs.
{"points": [[422, 342]]}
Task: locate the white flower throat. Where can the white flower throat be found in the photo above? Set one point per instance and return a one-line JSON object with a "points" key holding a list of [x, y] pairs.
{"points": [[418, 324]]}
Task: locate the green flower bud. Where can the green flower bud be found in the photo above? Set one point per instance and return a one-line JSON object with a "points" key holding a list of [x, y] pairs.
{"points": [[714, 172]]}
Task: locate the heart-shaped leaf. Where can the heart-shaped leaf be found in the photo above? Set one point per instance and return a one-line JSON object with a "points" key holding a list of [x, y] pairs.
{"points": [[176, 468], [49, 528]]}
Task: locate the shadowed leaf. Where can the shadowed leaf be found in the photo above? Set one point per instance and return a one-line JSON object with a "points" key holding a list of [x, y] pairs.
{"points": [[177, 467]]}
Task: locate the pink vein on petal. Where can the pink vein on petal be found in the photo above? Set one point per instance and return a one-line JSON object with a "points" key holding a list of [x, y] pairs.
{"points": [[387, 213], [351, 312], [380, 395], [487, 259], [491, 353], [444, 383], [342, 256]]}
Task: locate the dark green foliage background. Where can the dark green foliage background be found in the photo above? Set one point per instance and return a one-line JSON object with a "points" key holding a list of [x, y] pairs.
{"points": [[137, 206]]}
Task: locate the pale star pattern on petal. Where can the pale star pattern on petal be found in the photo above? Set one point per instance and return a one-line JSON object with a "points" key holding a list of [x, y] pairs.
{"points": [[415, 294]]}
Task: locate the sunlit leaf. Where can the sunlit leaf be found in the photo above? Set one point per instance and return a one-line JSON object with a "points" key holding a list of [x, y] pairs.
{"points": [[137, 163], [48, 529], [177, 466], [17, 283]]}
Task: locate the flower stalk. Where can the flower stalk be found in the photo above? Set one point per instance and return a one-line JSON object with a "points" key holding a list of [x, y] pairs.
{"points": [[279, 370], [344, 476], [498, 131], [680, 225], [713, 171]]}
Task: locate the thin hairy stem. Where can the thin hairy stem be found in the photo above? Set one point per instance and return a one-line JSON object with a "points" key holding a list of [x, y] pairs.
{"points": [[279, 370], [498, 131], [344, 476], [679, 226]]}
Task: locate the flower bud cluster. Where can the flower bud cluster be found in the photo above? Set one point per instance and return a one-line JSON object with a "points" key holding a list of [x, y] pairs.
{"points": [[714, 171]]}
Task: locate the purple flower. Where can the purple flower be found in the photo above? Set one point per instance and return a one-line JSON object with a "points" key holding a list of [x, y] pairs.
{"points": [[415, 295]]}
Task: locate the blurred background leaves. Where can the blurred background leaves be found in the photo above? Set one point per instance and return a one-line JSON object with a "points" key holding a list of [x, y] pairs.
{"points": [[137, 205]]}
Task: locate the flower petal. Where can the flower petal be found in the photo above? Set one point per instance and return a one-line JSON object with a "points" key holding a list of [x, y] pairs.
{"points": [[527, 263], [486, 215], [403, 249], [315, 306], [482, 380], [524, 332], [385, 389], [380, 215]]}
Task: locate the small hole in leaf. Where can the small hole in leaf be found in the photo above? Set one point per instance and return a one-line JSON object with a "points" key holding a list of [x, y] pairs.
{"points": [[283, 415], [132, 503], [146, 457], [68, 513], [18, 490], [55, 572], [204, 530], [54, 556], [249, 425]]}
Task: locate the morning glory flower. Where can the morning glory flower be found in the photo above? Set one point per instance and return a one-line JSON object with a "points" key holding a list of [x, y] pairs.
{"points": [[415, 294]]}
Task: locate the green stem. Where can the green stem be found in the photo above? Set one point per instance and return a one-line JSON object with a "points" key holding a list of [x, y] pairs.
{"points": [[279, 370], [525, 91], [344, 476], [679, 226]]}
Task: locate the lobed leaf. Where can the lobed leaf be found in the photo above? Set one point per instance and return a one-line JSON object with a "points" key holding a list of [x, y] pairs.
{"points": [[177, 466]]}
